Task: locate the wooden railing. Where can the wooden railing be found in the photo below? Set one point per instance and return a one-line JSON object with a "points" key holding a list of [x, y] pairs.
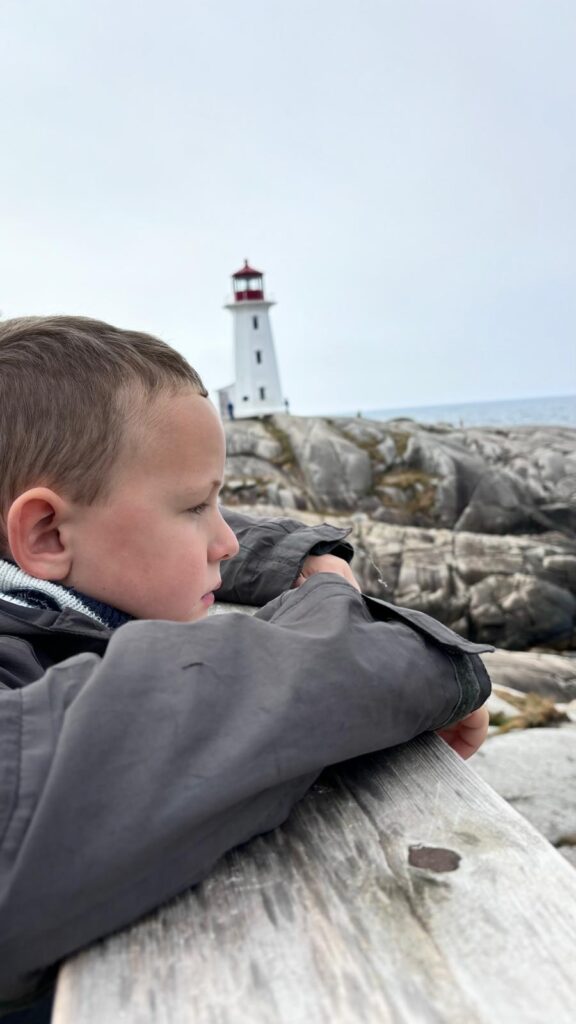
{"points": [[402, 890]]}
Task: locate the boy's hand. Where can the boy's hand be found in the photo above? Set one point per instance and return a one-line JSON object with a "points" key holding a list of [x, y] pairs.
{"points": [[467, 735], [326, 563]]}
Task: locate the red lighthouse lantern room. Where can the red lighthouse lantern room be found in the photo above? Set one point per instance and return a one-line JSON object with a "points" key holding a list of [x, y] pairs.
{"points": [[248, 284]]}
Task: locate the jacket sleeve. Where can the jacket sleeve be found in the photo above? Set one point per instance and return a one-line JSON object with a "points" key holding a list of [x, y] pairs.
{"points": [[271, 555], [127, 776]]}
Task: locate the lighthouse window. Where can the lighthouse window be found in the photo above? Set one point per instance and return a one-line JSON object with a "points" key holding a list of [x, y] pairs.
{"points": [[262, 394], [255, 322], [258, 355]]}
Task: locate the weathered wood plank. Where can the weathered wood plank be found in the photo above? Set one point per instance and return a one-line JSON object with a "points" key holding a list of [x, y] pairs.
{"points": [[329, 918]]}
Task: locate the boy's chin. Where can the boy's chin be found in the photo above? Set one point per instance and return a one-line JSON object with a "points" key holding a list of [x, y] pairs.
{"points": [[200, 612]]}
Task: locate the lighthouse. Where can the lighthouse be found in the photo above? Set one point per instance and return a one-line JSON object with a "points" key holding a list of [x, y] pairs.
{"points": [[256, 390]]}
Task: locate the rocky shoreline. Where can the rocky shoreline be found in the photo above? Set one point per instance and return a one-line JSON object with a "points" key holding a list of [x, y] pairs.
{"points": [[520, 480], [474, 526], [477, 527]]}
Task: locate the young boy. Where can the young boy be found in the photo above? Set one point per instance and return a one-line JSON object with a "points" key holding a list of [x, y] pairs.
{"points": [[139, 739]]}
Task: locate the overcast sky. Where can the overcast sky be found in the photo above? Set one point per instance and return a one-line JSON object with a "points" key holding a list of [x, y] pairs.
{"points": [[402, 170]]}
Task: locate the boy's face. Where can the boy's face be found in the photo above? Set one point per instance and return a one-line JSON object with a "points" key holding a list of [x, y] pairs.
{"points": [[153, 548]]}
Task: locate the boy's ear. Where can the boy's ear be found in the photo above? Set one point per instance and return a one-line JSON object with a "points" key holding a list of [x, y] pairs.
{"points": [[35, 536]]}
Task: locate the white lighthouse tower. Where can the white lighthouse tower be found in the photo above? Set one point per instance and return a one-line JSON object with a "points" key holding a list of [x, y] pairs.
{"points": [[256, 391]]}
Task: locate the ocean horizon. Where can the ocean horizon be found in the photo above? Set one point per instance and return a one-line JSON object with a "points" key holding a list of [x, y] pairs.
{"points": [[552, 410]]}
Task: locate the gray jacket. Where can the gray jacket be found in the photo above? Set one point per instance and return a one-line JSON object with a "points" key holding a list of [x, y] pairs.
{"points": [[131, 760]]}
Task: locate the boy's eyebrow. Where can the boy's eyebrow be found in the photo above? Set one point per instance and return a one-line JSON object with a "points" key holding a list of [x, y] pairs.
{"points": [[213, 485]]}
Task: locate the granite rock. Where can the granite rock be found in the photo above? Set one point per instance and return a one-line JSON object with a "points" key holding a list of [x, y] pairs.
{"points": [[550, 675], [507, 591], [519, 610], [535, 771], [511, 591], [518, 480], [336, 473]]}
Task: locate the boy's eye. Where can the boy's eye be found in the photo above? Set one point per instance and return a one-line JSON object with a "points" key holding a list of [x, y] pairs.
{"points": [[198, 508]]}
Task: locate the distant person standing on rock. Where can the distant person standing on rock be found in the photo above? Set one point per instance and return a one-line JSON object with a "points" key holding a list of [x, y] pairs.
{"points": [[230, 410]]}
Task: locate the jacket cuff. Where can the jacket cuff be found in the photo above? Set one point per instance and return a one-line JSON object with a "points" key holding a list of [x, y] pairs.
{"points": [[340, 548], [474, 683]]}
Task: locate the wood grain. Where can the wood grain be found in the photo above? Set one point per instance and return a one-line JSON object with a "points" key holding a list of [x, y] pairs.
{"points": [[330, 918]]}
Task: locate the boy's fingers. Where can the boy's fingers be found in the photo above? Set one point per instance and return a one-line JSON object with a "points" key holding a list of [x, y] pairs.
{"points": [[466, 736], [326, 563]]}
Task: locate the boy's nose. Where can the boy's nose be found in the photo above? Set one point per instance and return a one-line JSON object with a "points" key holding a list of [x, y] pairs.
{"points": [[226, 545]]}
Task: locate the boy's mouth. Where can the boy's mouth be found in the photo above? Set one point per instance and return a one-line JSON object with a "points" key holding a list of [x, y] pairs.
{"points": [[208, 599]]}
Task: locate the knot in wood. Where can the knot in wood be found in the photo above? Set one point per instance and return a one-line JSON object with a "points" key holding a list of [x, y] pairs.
{"points": [[434, 858]]}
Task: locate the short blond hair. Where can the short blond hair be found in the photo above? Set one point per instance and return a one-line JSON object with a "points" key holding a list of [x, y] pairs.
{"points": [[68, 385]]}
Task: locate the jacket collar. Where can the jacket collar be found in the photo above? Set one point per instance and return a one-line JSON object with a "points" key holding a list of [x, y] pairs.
{"points": [[16, 620], [20, 589]]}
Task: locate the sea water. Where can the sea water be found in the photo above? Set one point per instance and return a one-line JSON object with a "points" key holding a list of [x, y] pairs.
{"points": [[558, 410]]}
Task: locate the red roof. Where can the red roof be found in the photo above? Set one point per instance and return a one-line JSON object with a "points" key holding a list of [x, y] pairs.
{"points": [[247, 271]]}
